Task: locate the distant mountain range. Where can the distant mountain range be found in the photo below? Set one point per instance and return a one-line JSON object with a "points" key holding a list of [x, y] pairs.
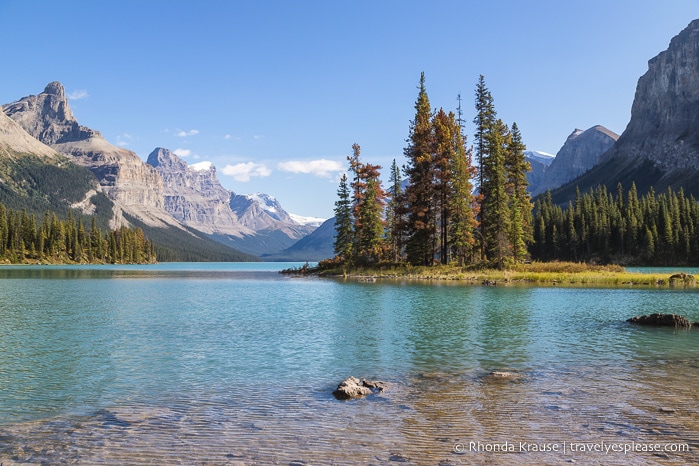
{"points": [[178, 204]]}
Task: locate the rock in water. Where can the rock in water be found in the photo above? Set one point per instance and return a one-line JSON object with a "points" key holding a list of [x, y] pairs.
{"points": [[352, 387], [662, 320]]}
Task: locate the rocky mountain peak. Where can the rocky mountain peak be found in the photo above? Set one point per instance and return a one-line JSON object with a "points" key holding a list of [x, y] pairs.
{"points": [[576, 132], [165, 158], [55, 88], [48, 116]]}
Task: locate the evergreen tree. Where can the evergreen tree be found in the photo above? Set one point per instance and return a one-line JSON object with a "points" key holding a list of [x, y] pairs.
{"points": [[395, 223], [367, 208], [521, 207], [444, 152], [495, 206], [463, 220], [370, 226], [485, 122], [344, 223], [419, 194]]}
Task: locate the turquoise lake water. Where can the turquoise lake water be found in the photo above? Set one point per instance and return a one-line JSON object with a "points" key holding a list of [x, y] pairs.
{"points": [[235, 364]]}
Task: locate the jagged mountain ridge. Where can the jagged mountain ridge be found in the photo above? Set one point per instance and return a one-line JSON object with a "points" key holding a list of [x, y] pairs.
{"points": [[660, 145], [13, 138], [256, 224], [194, 196]]}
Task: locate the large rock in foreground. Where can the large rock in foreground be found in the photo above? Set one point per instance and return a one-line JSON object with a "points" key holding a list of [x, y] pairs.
{"points": [[662, 320], [352, 387]]}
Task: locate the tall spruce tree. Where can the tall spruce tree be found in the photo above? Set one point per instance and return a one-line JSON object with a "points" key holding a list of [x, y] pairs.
{"points": [[344, 223], [395, 212], [520, 204], [485, 122], [368, 200], [463, 221], [444, 152], [495, 207], [419, 194]]}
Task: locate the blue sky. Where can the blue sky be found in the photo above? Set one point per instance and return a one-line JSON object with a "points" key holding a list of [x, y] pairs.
{"points": [[274, 93]]}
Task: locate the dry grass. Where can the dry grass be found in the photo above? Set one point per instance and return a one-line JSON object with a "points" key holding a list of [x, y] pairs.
{"points": [[538, 273]]}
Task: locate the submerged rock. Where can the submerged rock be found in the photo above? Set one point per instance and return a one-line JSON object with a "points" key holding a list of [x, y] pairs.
{"points": [[352, 387], [662, 320], [502, 375]]}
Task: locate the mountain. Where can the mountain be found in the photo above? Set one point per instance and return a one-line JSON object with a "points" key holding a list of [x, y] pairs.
{"points": [[187, 202], [275, 229], [539, 162], [14, 139], [91, 175], [660, 145], [252, 223], [36, 178], [134, 186], [317, 246], [580, 152], [543, 158], [194, 196]]}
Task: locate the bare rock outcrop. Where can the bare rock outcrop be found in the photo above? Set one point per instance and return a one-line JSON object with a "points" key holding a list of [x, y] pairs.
{"points": [[14, 139]]}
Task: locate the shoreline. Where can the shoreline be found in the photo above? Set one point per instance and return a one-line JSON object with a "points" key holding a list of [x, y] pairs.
{"points": [[537, 274]]}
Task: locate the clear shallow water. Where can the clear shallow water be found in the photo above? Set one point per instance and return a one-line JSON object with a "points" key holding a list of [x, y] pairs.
{"points": [[234, 363]]}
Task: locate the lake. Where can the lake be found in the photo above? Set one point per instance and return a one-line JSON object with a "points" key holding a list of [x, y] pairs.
{"points": [[228, 363]]}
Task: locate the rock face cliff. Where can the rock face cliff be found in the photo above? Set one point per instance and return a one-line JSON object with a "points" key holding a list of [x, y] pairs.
{"points": [[14, 139], [194, 196], [581, 151], [664, 126], [660, 146], [134, 186]]}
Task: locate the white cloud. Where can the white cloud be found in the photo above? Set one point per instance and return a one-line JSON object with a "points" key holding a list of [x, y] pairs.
{"points": [[183, 134], [227, 136], [182, 152], [201, 166], [244, 171], [124, 139], [322, 167], [78, 94]]}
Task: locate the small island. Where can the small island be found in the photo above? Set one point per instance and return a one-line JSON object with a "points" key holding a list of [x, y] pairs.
{"points": [[535, 274]]}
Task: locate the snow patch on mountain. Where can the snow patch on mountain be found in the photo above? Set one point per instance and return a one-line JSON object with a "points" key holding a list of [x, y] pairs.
{"points": [[539, 156], [266, 202], [310, 221]]}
